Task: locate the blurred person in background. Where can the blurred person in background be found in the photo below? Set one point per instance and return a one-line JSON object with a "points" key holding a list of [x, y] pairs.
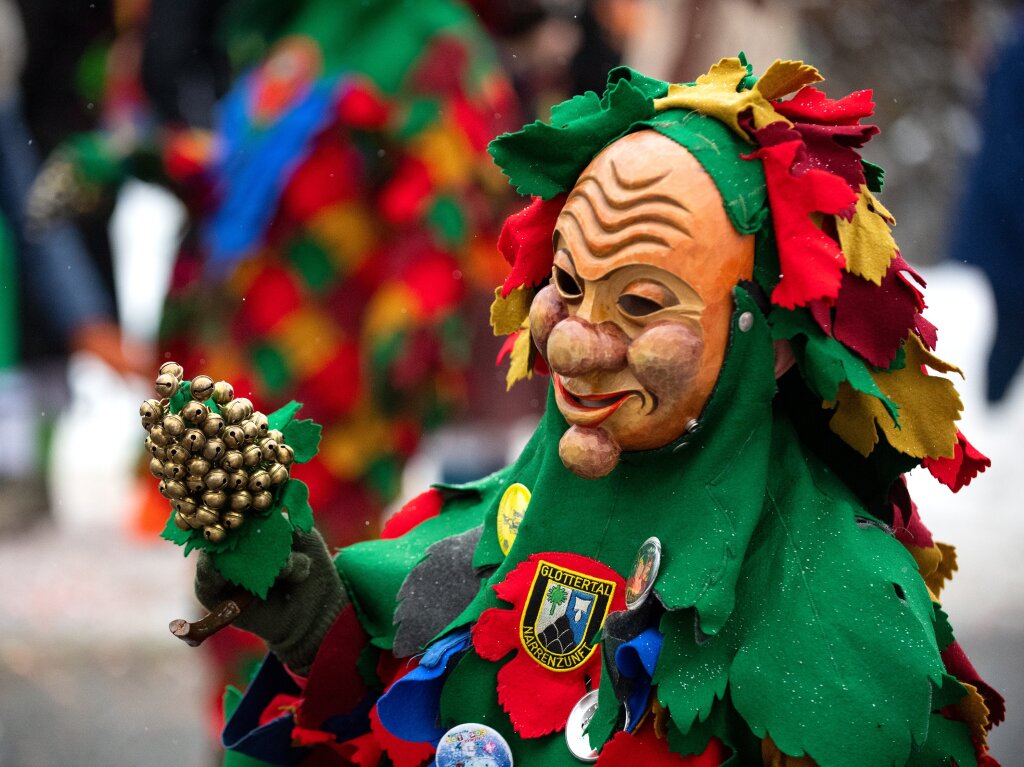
{"points": [[53, 300]]}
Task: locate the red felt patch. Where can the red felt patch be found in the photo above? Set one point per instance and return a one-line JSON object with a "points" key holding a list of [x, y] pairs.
{"points": [[402, 753], [361, 106], [404, 198], [957, 472], [273, 295], [906, 522], [646, 748], [337, 658], [329, 175], [559, 602], [441, 70], [507, 346], [436, 280], [421, 508], [338, 386], [874, 320], [958, 664], [363, 751], [810, 261], [280, 705], [525, 242], [810, 105], [301, 736]]}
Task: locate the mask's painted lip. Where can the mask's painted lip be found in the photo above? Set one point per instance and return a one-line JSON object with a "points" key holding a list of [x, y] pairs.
{"points": [[592, 410]]}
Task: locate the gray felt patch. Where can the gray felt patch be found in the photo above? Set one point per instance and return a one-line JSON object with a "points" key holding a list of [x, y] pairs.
{"points": [[436, 591]]}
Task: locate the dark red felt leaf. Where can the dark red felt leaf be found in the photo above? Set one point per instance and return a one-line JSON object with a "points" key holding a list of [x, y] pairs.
{"points": [[821, 311], [421, 508], [874, 320], [958, 664], [644, 747], [810, 105], [811, 262], [926, 331], [906, 522], [525, 242], [957, 472], [442, 68]]}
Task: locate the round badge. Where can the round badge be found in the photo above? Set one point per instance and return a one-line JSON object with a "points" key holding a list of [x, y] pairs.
{"points": [[641, 579], [575, 728], [511, 509], [473, 745]]}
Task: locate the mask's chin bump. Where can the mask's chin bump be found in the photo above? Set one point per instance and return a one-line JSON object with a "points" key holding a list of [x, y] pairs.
{"points": [[588, 453]]}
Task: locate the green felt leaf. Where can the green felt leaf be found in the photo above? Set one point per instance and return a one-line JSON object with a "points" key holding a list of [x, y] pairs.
{"points": [[261, 553], [691, 677], [874, 175], [834, 660], [303, 437], [181, 397], [175, 534], [448, 221], [279, 418], [824, 362], [943, 629], [295, 498], [948, 693], [947, 740], [602, 724]]}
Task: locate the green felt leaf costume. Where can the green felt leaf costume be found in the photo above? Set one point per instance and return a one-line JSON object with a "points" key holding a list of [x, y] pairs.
{"points": [[790, 610]]}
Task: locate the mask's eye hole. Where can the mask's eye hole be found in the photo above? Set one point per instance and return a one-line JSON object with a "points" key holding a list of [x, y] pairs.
{"points": [[566, 283], [642, 298]]}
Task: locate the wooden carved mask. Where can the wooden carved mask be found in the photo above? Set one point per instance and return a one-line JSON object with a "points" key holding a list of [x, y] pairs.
{"points": [[635, 323]]}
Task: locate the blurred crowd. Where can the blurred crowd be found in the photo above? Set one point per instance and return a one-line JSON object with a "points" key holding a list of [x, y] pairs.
{"points": [[333, 213]]}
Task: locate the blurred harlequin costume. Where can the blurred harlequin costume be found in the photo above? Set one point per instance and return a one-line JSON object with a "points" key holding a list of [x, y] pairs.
{"points": [[344, 207], [795, 618]]}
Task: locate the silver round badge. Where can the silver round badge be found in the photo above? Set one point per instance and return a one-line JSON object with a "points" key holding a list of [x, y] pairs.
{"points": [[575, 728], [641, 579], [473, 745]]}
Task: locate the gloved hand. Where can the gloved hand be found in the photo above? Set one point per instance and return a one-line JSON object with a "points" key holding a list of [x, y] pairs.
{"points": [[299, 609]]}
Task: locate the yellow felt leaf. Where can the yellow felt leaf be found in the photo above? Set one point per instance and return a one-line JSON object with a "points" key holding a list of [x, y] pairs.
{"points": [[508, 314], [520, 360], [975, 715], [715, 94], [866, 241], [771, 756], [944, 570], [445, 151], [929, 407], [350, 446], [393, 308], [660, 714], [307, 338], [347, 232]]}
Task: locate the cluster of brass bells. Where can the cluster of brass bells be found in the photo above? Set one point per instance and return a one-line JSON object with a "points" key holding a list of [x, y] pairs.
{"points": [[214, 467]]}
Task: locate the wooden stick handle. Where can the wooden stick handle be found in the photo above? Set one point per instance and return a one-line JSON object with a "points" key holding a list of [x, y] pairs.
{"points": [[193, 634]]}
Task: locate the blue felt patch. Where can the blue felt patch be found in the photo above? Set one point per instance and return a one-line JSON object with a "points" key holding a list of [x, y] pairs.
{"points": [[636, 660]]}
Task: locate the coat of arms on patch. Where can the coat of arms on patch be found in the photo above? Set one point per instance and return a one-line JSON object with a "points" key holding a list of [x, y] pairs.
{"points": [[564, 611]]}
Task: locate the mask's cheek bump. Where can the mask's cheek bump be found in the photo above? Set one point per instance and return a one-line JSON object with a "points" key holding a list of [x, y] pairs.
{"points": [[665, 358]]}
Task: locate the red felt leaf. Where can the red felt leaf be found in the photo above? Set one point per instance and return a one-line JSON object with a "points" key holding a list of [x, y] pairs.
{"points": [[958, 664], [957, 472], [537, 699], [810, 261], [402, 753], [273, 294], [435, 279], [404, 198], [646, 748], [338, 386], [810, 105], [336, 659], [907, 525], [329, 175], [421, 508], [363, 751], [873, 320], [280, 705], [821, 311], [830, 148], [362, 106], [525, 242], [302, 736], [506, 347], [441, 69], [926, 331]]}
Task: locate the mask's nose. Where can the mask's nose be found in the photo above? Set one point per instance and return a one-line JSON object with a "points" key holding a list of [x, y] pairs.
{"points": [[577, 347]]}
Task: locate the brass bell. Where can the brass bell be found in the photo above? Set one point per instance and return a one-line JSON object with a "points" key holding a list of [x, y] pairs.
{"points": [[202, 388], [223, 393], [166, 385], [174, 425], [160, 453], [216, 479], [176, 454], [193, 522], [215, 499], [252, 455], [156, 468], [276, 435], [232, 461], [262, 422], [237, 480], [172, 369], [172, 470], [240, 501], [250, 430], [196, 412], [278, 473], [259, 481], [213, 425], [215, 533], [268, 448], [214, 449], [199, 467], [181, 522], [286, 454], [233, 520], [262, 501], [157, 436], [236, 410], [172, 489], [194, 440], [185, 506], [151, 412], [206, 516], [233, 436], [195, 484]]}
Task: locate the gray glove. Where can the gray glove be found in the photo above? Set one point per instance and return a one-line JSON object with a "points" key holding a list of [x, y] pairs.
{"points": [[299, 609]]}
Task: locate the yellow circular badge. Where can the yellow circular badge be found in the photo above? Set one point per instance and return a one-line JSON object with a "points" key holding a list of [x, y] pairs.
{"points": [[510, 513]]}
